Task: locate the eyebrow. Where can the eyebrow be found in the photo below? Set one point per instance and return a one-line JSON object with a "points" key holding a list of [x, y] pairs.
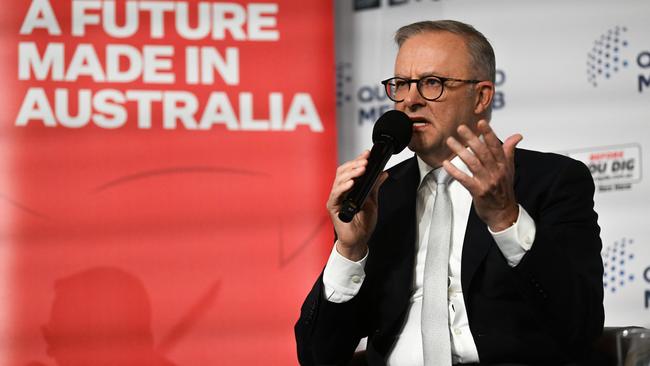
{"points": [[419, 76]]}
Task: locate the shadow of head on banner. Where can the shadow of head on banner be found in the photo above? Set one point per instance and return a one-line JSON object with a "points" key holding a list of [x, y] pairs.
{"points": [[101, 316]]}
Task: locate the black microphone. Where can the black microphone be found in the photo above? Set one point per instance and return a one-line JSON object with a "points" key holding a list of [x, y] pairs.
{"points": [[391, 134]]}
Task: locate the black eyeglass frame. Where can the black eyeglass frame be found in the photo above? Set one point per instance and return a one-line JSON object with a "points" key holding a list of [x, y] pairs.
{"points": [[442, 79]]}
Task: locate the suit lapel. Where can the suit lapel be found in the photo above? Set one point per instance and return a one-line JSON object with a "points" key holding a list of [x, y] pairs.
{"points": [[477, 241], [476, 245], [397, 209]]}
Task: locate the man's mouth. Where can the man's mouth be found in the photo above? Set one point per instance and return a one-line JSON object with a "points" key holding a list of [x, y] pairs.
{"points": [[419, 122]]}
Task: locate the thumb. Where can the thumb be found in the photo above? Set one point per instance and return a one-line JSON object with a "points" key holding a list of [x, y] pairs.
{"points": [[510, 144]]}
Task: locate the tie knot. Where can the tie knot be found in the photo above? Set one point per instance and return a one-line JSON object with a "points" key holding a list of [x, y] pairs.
{"points": [[441, 176]]}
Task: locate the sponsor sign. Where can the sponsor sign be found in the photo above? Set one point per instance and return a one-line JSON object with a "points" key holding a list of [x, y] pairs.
{"points": [[613, 167]]}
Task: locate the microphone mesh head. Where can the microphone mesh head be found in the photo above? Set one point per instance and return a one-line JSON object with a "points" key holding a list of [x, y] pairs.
{"points": [[395, 127]]}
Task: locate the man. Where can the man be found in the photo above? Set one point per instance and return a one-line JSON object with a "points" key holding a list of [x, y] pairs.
{"points": [[471, 252], [101, 316]]}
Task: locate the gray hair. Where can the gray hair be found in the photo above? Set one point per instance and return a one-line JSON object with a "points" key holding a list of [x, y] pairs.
{"points": [[480, 50]]}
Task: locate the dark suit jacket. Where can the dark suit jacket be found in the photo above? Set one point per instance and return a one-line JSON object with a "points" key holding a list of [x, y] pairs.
{"points": [[547, 309]]}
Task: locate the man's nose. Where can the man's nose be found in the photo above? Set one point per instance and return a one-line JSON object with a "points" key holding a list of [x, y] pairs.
{"points": [[413, 99]]}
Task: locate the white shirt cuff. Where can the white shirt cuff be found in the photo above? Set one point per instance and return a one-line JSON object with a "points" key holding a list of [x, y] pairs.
{"points": [[516, 240], [342, 277]]}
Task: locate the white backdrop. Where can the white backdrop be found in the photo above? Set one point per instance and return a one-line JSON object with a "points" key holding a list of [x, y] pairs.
{"points": [[573, 78]]}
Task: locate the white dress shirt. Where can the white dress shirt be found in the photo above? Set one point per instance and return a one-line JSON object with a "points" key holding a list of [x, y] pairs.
{"points": [[343, 278]]}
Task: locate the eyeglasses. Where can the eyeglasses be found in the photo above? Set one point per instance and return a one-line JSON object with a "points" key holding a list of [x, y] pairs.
{"points": [[429, 87]]}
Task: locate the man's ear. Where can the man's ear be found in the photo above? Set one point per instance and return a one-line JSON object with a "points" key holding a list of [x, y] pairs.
{"points": [[484, 95]]}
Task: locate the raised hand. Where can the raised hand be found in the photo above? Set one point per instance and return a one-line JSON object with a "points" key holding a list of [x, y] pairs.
{"points": [[353, 237], [492, 166]]}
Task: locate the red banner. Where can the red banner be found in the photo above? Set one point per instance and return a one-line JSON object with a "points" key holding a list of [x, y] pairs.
{"points": [[166, 165]]}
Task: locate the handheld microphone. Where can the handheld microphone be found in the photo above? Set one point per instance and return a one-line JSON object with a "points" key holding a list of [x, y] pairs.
{"points": [[391, 134]]}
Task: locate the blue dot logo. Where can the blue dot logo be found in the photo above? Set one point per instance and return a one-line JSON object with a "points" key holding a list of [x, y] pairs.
{"points": [[606, 51], [343, 83], [615, 258]]}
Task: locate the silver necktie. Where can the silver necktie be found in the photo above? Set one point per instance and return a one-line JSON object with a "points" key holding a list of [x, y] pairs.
{"points": [[435, 312]]}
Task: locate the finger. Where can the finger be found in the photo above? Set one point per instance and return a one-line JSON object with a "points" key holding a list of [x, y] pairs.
{"points": [[352, 168], [364, 155], [343, 181], [361, 157], [468, 158], [509, 146], [336, 194], [491, 140], [349, 169], [464, 179], [482, 152], [359, 160], [348, 177], [351, 173], [346, 181]]}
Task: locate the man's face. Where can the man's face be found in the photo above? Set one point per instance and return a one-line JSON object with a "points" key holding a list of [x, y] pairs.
{"points": [[441, 54]]}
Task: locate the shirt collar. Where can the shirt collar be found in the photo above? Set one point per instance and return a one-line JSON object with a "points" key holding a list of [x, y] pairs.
{"points": [[425, 168]]}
